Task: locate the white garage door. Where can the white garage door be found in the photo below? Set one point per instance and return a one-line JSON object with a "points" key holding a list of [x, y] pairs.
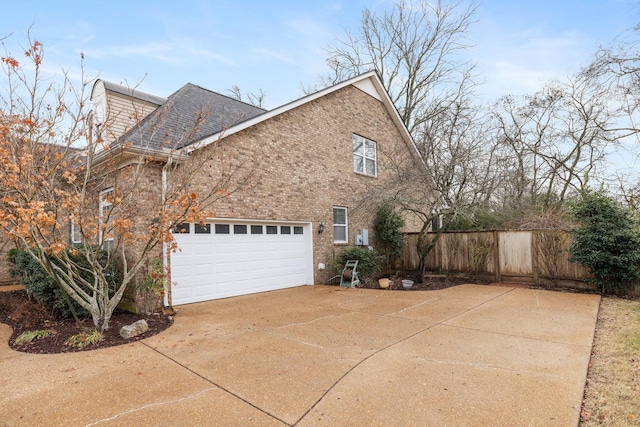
{"points": [[224, 259]]}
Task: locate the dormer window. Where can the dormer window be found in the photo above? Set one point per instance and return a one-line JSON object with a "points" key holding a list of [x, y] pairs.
{"points": [[364, 156]]}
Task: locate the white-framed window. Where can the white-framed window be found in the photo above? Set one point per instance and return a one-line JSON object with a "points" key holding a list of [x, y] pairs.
{"points": [[364, 156], [106, 203], [76, 236], [340, 225]]}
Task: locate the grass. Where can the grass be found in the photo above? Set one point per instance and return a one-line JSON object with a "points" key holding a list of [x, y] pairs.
{"points": [[612, 395], [634, 338]]}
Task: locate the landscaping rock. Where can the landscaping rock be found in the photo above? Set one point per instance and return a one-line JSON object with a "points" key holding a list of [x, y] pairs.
{"points": [[134, 329]]}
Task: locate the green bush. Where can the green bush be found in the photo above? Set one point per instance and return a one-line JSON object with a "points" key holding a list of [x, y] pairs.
{"points": [[387, 226], [44, 289], [39, 285], [367, 261], [607, 241]]}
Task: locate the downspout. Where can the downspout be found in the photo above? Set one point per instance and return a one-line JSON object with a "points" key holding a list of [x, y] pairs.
{"points": [[168, 300]]}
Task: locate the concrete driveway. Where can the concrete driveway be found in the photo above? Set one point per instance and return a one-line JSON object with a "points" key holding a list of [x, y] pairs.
{"points": [[325, 356]]}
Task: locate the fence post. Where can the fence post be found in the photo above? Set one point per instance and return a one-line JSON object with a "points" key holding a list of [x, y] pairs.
{"points": [[496, 258], [534, 257]]}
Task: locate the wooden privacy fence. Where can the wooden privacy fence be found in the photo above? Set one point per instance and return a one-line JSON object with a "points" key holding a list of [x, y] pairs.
{"points": [[534, 256]]}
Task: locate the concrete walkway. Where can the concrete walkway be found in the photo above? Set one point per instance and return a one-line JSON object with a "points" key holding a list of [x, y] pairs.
{"points": [[325, 356]]}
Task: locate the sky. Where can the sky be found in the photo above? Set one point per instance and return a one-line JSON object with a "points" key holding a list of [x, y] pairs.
{"points": [[279, 46]]}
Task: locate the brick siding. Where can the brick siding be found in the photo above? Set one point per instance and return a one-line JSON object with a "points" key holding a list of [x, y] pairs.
{"points": [[299, 165], [303, 165]]}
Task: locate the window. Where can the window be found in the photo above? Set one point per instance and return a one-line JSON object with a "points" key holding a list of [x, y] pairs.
{"points": [[340, 225], [203, 229], [256, 229], [272, 229], [364, 156], [182, 228], [222, 228], [297, 230], [239, 229], [76, 236], [106, 221], [285, 229]]}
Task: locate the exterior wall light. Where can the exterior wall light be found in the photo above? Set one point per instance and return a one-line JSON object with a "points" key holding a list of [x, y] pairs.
{"points": [[320, 228]]}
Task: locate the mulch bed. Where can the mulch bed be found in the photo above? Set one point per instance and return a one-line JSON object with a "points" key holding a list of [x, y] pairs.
{"points": [[17, 311], [429, 283]]}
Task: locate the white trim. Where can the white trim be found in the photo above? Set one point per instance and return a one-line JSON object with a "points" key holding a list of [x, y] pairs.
{"points": [[255, 221], [345, 225], [368, 87], [364, 155], [73, 233]]}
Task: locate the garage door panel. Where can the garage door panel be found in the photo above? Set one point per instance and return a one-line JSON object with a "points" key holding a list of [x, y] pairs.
{"points": [[214, 265], [210, 266], [204, 290], [203, 270]]}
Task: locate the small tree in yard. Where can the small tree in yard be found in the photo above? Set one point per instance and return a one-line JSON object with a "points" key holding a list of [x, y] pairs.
{"points": [[387, 226], [52, 169], [607, 241]]}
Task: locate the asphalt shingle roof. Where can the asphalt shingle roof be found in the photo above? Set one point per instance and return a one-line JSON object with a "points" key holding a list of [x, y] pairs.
{"points": [[187, 116]]}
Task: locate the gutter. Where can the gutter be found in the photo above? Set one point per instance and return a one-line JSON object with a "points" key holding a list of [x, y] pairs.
{"points": [[165, 155], [165, 248]]}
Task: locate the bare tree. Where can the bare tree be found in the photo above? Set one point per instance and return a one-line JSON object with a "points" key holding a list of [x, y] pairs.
{"points": [[458, 176], [554, 143], [617, 67], [460, 154], [416, 48], [52, 169], [255, 99]]}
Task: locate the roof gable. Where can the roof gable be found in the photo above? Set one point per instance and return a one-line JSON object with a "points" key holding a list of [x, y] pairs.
{"points": [[368, 82], [194, 117]]}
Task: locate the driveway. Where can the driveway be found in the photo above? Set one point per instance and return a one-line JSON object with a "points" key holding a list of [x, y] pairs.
{"points": [[326, 356]]}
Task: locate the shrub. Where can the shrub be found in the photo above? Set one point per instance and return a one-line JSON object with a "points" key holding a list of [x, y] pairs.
{"points": [[29, 336], [44, 289], [36, 281], [607, 241], [85, 338], [39, 285], [367, 261], [387, 226]]}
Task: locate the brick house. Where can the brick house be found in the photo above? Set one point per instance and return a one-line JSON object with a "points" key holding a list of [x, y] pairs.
{"points": [[5, 245], [316, 169]]}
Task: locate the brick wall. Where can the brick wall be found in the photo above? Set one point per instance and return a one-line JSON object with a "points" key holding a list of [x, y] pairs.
{"points": [[302, 162], [140, 189], [296, 167], [5, 246]]}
